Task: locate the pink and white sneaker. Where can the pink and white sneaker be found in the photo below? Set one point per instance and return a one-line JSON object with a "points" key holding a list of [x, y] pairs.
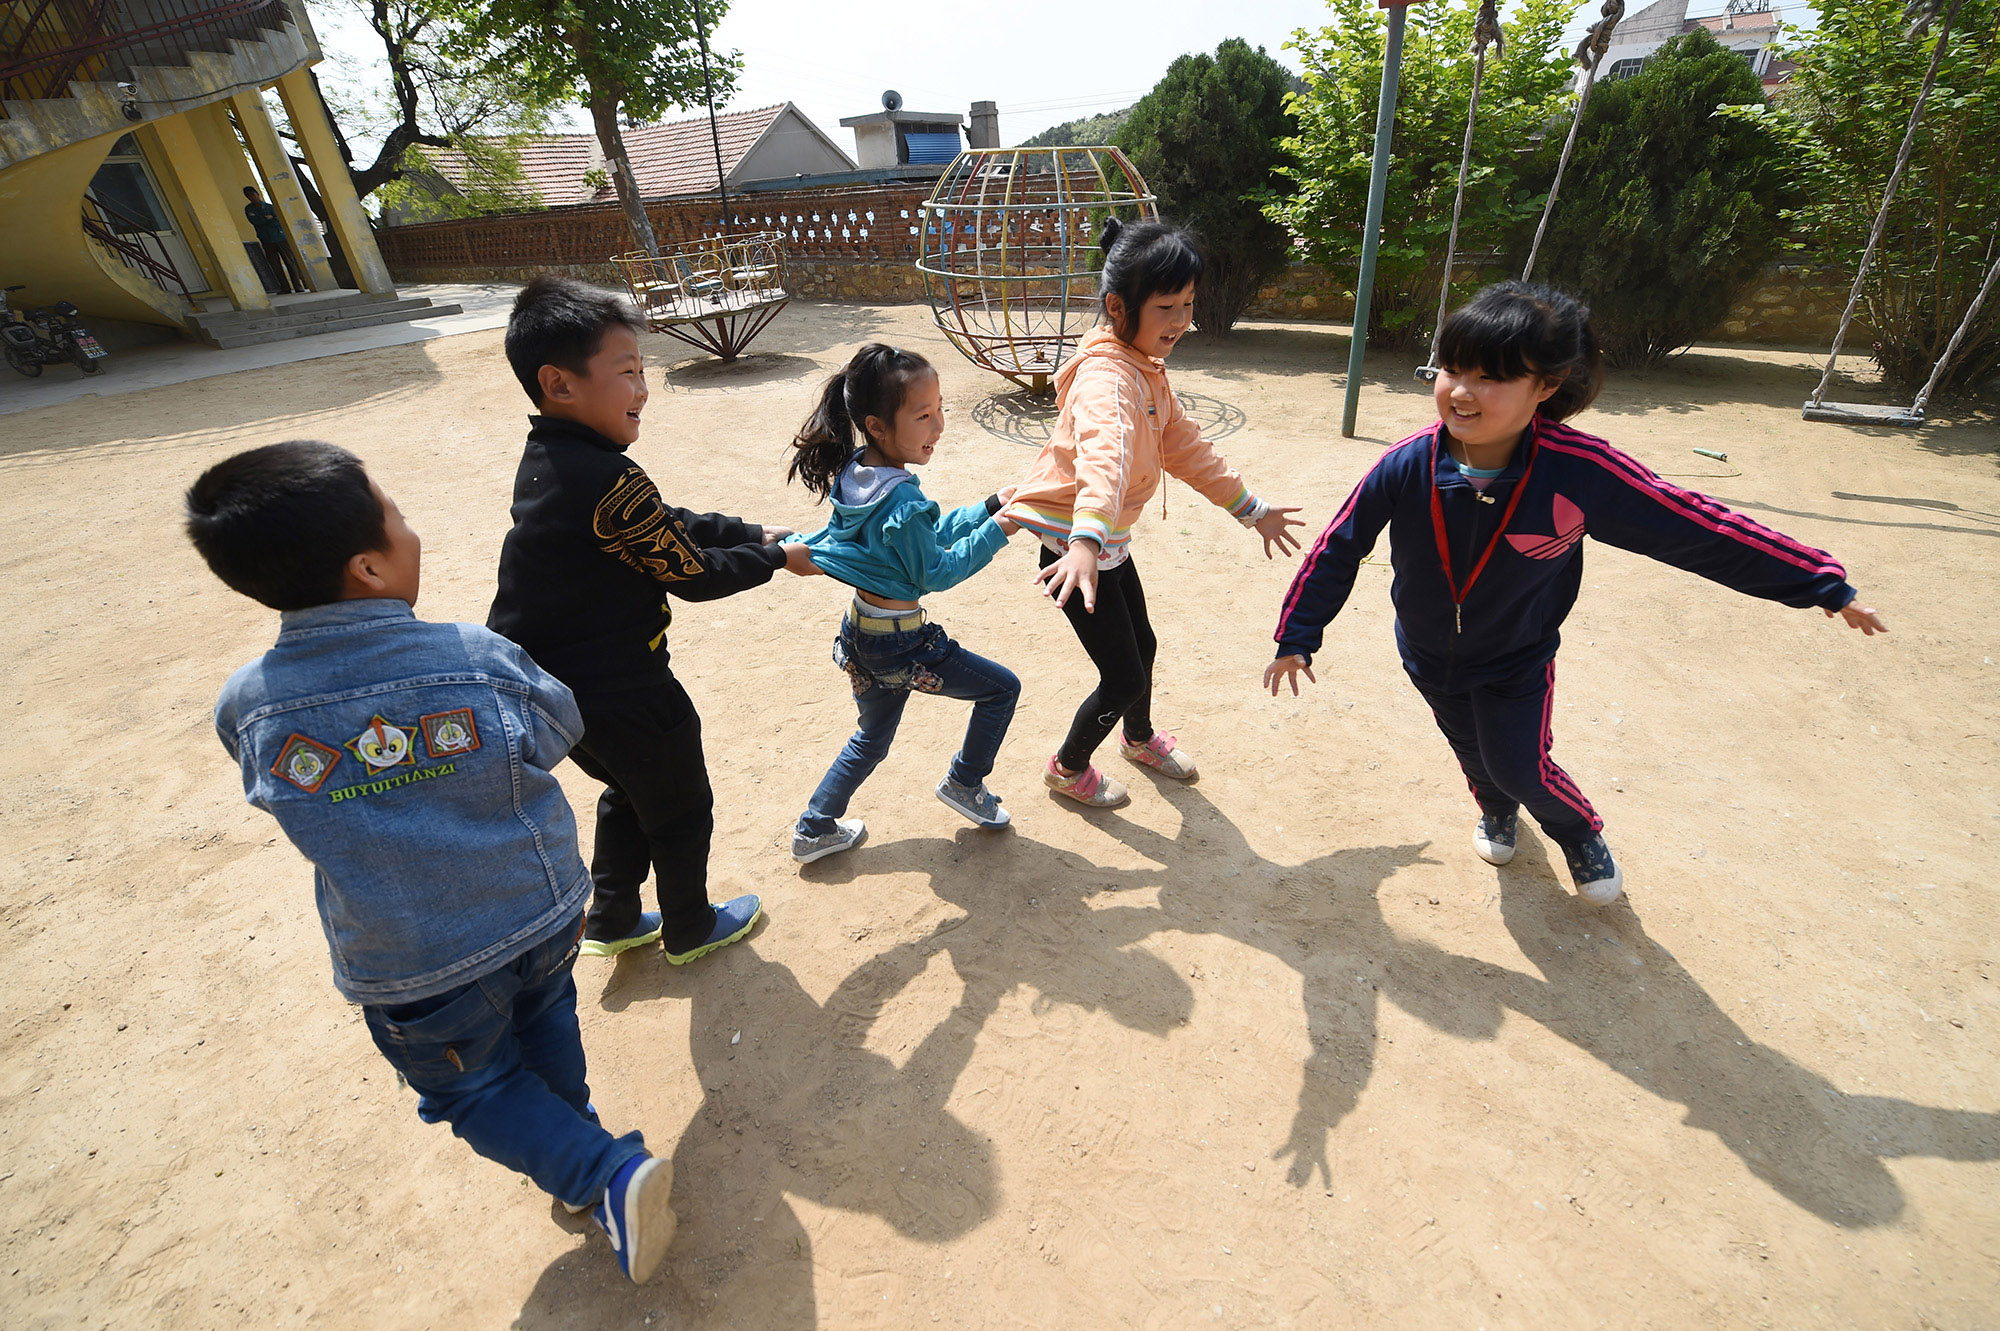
{"points": [[1089, 786], [1162, 753]]}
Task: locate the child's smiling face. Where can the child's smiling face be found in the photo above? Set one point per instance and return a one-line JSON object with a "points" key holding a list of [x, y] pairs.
{"points": [[609, 395], [911, 439], [1481, 411], [1164, 319]]}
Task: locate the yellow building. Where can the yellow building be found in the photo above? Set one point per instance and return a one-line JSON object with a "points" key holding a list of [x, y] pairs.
{"points": [[128, 129]]}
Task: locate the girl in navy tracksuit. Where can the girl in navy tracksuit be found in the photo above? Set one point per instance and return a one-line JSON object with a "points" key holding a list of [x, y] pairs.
{"points": [[1487, 511]]}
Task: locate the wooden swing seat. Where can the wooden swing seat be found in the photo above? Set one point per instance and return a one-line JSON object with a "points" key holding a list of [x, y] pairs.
{"points": [[1864, 413]]}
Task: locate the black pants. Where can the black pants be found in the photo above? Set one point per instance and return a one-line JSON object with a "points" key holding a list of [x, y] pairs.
{"points": [[1120, 641], [1502, 736], [657, 811], [283, 265]]}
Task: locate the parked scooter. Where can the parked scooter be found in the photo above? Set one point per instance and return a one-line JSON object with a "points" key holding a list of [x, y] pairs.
{"points": [[46, 335]]}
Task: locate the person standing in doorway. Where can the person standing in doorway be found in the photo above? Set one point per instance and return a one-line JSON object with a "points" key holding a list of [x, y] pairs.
{"points": [[270, 231]]}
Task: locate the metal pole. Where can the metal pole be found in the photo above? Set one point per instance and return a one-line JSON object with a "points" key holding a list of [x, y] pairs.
{"points": [[714, 135], [1371, 230]]}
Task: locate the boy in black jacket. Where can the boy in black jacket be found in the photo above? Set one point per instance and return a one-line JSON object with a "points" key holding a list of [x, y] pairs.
{"points": [[584, 579]]}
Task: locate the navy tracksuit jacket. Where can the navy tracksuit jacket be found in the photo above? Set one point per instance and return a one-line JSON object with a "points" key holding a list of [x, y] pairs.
{"points": [[1483, 581]]}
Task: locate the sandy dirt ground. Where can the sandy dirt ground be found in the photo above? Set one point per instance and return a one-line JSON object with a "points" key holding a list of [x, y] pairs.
{"points": [[1272, 1049]]}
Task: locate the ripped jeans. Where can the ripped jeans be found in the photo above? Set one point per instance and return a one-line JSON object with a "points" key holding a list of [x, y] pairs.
{"points": [[887, 657]]}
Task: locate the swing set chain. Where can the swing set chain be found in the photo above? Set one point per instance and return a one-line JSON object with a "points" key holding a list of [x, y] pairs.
{"points": [[1486, 32], [1920, 11], [1589, 53], [1964, 327]]}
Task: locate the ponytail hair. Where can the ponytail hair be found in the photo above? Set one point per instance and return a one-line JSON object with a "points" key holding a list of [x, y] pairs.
{"points": [[1142, 260], [1512, 329], [872, 384]]}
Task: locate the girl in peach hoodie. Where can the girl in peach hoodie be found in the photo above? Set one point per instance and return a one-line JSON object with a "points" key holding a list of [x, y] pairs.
{"points": [[1118, 428]]}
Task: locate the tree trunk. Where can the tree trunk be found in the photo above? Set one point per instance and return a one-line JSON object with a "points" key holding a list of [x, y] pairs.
{"points": [[604, 117]]}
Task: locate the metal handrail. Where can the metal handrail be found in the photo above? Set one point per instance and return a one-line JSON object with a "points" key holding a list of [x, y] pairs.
{"points": [[161, 269], [59, 37]]}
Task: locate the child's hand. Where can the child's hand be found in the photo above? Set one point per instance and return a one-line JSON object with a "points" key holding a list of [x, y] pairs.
{"points": [[1287, 668], [1006, 525], [1859, 616], [1006, 496], [1075, 571], [798, 560], [1273, 528], [772, 535]]}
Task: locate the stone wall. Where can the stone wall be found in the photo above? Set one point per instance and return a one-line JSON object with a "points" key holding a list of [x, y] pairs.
{"points": [[1795, 305]]}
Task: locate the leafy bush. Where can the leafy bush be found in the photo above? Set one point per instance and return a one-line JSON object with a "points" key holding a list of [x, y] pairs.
{"points": [[1087, 130], [1343, 62], [1206, 140], [1841, 120], [1667, 210]]}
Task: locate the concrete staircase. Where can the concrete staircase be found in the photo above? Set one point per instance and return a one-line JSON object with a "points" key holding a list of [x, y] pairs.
{"points": [[307, 315], [256, 51]]}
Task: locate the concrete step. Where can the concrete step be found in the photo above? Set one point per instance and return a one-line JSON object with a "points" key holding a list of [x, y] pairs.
{"points": [[401, 311], [220, 316]]}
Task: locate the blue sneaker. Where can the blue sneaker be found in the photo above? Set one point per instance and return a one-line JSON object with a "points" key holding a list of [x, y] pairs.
{"points": [[1493, 837], [644, 932], [732, 921], [978, 803], [1598, 878], [635, 1215]]}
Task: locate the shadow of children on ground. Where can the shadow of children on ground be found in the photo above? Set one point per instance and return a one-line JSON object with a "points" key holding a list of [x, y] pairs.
{"points": [[1320, 918], [1622, 998], [1608, 989]]}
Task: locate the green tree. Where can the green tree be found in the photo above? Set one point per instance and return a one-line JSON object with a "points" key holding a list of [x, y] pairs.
{"points": [[416, 96], [1667, 210], [1206, 138], [632, 58], [1086, 131], [1841, 119], [1522, 93]]}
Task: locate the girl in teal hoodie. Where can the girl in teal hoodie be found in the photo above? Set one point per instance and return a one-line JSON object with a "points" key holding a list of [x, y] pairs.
{"points": [[892, 545]]}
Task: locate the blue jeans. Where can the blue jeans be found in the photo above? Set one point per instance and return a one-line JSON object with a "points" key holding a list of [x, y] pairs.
{"points": [[884, 669], [501, 1060]]}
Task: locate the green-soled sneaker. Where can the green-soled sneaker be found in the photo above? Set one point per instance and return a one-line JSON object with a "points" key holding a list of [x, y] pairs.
{"points": [[647, 930], [733, 920]]}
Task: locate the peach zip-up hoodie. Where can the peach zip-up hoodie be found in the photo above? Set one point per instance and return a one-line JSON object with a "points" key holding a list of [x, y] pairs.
{"points": [[1118, 427]]}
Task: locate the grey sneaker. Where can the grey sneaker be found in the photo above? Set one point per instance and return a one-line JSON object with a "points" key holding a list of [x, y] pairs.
{"points": [[1493, 837], [978, 803], [1598, 877], [846, 834]]}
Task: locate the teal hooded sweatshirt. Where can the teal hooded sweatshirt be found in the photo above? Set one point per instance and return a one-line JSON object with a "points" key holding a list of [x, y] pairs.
{"points": [[888, 539]]}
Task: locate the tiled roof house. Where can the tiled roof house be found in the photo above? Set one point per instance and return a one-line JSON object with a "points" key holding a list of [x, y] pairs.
{"points": [[768, 143]]}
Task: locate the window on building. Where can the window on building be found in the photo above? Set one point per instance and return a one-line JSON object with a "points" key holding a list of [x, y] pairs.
{"points": [[1624, 69]]}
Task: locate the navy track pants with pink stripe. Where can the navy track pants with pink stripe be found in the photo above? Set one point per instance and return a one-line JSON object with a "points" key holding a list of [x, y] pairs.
{"points": [[1501, 734]]}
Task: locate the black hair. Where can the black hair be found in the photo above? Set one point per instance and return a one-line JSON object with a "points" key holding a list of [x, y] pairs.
{"points": [[1141, 260], [560, 321], [279, 523], [249, 191], [874, 384], [1516, 328]]}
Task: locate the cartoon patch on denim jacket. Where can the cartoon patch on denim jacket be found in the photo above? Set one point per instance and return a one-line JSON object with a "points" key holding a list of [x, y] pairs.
{"points": [[383, 745], [306, 763]]}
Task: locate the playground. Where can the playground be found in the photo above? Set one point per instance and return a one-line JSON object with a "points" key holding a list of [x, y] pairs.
{"points": [[1272, 1049]]}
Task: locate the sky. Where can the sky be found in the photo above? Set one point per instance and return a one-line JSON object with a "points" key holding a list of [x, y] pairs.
{"points": [[1043, 61]]}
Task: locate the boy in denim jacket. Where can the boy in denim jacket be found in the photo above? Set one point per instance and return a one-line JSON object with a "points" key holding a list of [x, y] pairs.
{"points": [[410, 762]]}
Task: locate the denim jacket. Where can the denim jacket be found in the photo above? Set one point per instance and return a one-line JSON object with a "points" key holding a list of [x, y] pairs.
{"points": [[410, 762]]}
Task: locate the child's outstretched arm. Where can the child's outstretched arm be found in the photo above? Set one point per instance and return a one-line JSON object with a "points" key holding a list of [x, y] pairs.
{"points": [[937, 554], [1185, 454], [1327, 576], [633, 523], [1626, 505]]}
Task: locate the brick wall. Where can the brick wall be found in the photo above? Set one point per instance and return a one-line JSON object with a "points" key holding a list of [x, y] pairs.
{"points": [[860, 245]]}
